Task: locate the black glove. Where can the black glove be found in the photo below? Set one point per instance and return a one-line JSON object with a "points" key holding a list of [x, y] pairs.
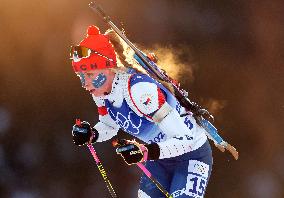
{"points": [[133, 152], [82, 133]]}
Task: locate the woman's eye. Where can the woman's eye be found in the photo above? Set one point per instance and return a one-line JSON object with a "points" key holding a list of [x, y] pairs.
{"points": [[82, 78]]}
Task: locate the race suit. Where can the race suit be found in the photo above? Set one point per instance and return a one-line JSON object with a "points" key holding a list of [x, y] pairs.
{"points": [[144, 108]]}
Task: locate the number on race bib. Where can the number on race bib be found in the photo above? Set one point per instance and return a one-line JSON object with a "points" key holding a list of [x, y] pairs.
{"points": [[196, 185]]}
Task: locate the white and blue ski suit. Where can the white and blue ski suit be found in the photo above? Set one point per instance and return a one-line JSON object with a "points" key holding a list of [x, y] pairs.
{"points": [[144, 108]]}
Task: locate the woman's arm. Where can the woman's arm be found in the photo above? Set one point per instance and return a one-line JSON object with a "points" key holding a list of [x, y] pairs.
{"points": [[151, 101], [106, 127]]}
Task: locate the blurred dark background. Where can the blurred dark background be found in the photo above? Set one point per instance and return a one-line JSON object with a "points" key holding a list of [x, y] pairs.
{"points": [[235, 53]]}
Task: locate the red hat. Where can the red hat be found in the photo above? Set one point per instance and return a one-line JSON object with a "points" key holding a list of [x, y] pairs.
{"points": [[102, 56]]}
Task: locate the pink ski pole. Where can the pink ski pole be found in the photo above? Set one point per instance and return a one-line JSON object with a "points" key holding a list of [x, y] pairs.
{"points": [[149, 175], [100, 166], [146, 172], [102, 171]]}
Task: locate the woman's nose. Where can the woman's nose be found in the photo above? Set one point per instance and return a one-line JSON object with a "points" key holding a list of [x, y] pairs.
{"points": [[87, 86]]}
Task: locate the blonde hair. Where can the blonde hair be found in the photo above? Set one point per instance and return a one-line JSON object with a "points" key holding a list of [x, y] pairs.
{"points": [[125, 58]]}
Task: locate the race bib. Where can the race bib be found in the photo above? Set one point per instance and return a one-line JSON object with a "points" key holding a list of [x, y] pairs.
{"points": [[196, 180]]}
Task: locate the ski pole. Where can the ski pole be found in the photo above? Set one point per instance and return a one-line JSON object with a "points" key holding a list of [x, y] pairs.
{"points": [[100, 166], [149, 175], [102, 171]]}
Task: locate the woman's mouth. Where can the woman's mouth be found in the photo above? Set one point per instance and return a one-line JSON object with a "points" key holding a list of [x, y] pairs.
{"points": [[92, 91]]}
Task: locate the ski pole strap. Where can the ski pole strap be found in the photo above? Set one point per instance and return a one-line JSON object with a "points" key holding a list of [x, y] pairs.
{"points": [[149, 175], [102, 171]]}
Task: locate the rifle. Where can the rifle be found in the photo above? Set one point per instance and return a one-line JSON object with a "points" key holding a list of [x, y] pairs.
{"points": [[182, 96]]}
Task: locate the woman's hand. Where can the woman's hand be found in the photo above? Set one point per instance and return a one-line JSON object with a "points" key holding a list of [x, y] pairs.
{"points": [[83, 133], [131, 151]]}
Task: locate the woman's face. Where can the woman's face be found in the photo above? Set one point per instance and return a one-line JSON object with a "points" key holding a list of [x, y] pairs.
{"points": [[97, 82]]}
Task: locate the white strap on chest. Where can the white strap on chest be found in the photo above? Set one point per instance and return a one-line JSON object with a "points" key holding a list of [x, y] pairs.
{"points": [[162, 112]]}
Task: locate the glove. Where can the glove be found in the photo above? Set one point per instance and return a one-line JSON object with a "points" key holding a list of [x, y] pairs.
{"points": [[83, 133], [131, 151]]}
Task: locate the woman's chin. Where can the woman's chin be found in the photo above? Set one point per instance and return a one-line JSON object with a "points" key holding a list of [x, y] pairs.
{"points": [[97, 94]]}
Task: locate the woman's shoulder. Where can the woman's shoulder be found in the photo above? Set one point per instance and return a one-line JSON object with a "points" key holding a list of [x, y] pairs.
{"points": [[141, 78]]}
